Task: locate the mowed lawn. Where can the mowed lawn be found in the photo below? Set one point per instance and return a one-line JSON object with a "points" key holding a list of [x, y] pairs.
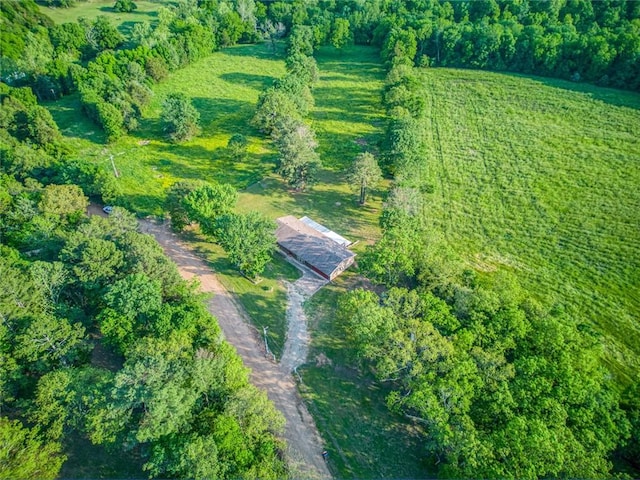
{"points": [[542, 177]]}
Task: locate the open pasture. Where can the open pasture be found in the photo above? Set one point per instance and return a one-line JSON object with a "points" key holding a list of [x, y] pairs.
{"points": [[348, 119], [224, 87], [541, 176], [147, 11]]}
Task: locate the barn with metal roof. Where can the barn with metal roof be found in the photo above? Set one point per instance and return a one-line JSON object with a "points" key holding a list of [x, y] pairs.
{"points": [[314, 245]]}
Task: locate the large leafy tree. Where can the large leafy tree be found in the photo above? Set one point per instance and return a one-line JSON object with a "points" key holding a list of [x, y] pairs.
{"points": [[340, 33], [93, 261], [64, 201], [174, 203], [273, 105], [183, 402], [237, 147], [364, 173], [23, 454], [209, 201], [65, 396], [125, 6], [298, 159], [199, 201], [180, 117], [50, 342], [131, 306], [248, 239]]}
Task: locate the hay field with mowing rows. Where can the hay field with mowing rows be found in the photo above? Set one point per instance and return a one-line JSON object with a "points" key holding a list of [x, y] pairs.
{"points": [[542, 177]]}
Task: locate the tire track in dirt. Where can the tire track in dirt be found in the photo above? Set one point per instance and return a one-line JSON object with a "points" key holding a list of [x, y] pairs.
{"points": [[296, 346], [304, 445]]}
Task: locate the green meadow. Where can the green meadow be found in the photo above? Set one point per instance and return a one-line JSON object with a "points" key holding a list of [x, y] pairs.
{"points": [[147, 11], [541, 177], [224, 87]]}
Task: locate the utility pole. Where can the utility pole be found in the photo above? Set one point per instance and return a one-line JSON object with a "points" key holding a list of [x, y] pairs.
{"points": [[266, 343]]}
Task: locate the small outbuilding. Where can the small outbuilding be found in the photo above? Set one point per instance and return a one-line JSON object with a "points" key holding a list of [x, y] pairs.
{"points": [[322, 250]]}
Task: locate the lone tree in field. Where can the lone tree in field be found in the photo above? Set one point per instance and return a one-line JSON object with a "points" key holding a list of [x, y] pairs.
{"points": [[237, 147], [125, 6], [340, 33], [299, 161], [198, 201], [364, 173], [180, 117]]}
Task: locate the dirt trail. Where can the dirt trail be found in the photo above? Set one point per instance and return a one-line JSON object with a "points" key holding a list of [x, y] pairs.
{"points": [[297, 344], [304, 443]]}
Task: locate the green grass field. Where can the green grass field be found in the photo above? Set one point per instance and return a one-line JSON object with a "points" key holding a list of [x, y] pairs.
{"points": [[224, 87], [541, 176], [147, 11], [538, 176]]}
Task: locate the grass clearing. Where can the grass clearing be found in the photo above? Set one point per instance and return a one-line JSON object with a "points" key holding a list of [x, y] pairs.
{"points": [[348, 118], [541, 176], [224, 87], [147, 11]]}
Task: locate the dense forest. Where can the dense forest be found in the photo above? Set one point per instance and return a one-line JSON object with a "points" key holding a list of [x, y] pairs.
{"points": [[100, 337]]}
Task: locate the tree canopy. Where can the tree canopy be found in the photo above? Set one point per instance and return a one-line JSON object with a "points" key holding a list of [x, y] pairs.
{"points": [[364, 173], [180, 117]]}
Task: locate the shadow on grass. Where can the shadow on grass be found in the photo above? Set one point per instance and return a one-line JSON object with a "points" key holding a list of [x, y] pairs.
{"points": [[360, 432], [71, 120], [222, 115], [214, 165], [337, 209], [348, 404], [349, 106], [610, 96], [258, 82], [257, 50], [125, 29], [268, 311], [142, 205]]}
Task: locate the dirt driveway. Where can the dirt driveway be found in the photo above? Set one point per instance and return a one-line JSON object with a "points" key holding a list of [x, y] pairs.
{"points": [[304, 443]]}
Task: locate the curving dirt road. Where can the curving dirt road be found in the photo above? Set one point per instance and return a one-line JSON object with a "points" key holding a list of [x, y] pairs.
{"points": [[304, 443]]}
